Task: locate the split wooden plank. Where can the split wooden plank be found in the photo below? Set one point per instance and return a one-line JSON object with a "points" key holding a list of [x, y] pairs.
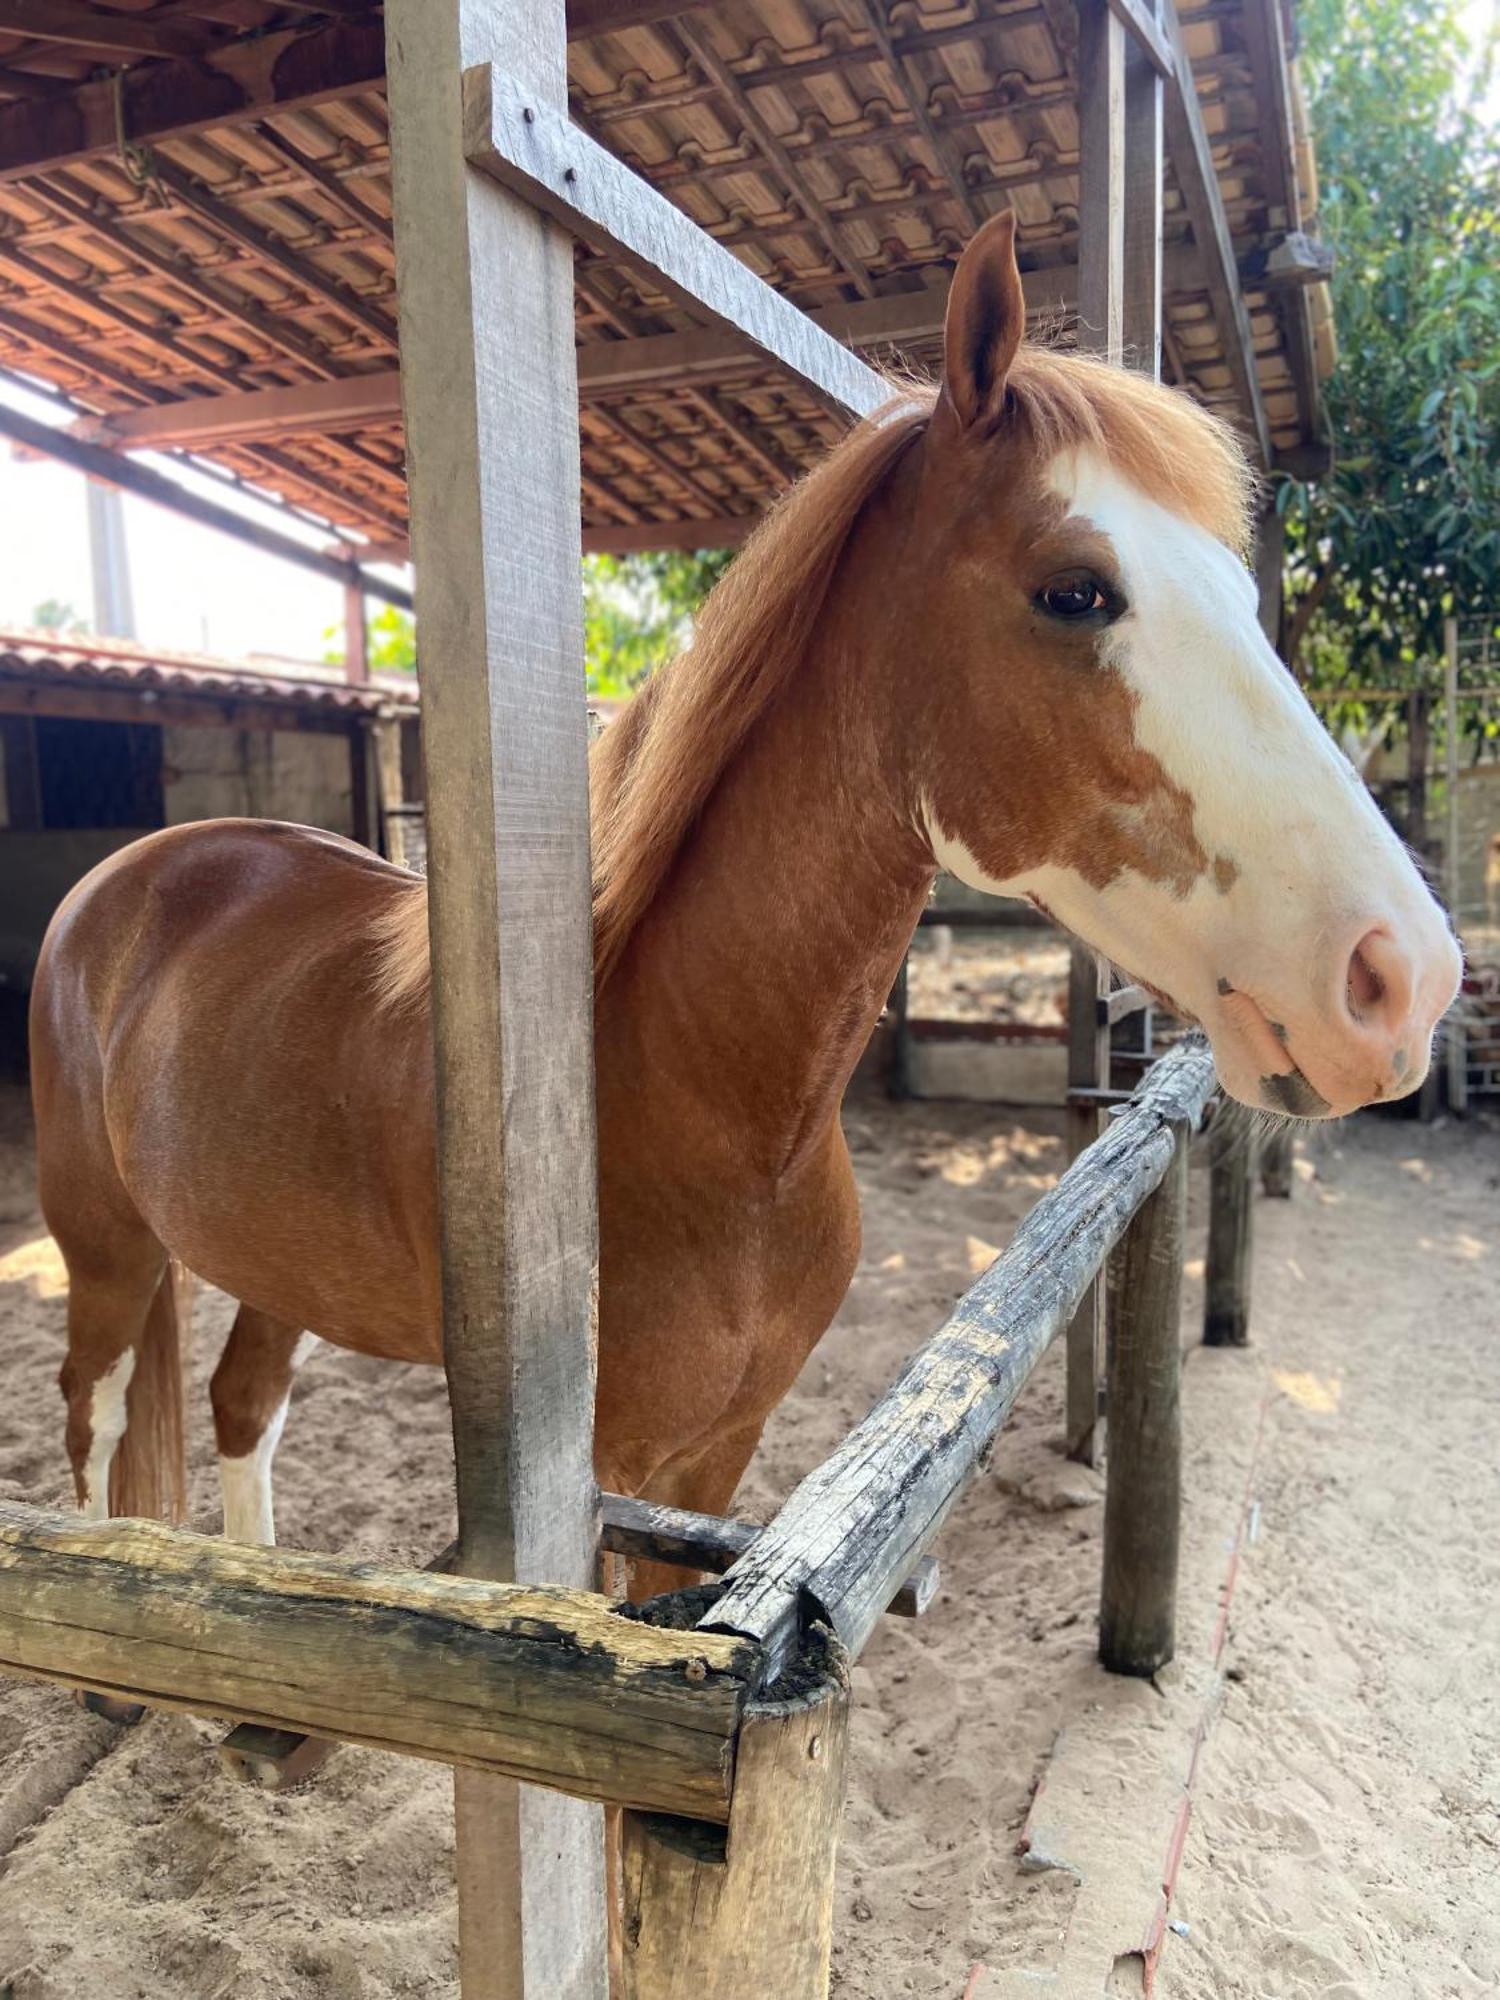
{"points": [[533, 148], [547, 1685], [865, 1515]]}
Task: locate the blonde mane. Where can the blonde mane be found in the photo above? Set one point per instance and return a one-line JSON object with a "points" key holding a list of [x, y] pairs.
{"points": [[656, 768]]}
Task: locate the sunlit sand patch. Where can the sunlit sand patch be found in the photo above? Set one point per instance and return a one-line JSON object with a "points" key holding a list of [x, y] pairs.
{"points": [[1318, 1394], [38, 1263]]}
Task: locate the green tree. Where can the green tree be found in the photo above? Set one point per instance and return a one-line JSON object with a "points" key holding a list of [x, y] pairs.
{"points": [[1406, 525], [390, 642], [52, 615], [638, 611]]}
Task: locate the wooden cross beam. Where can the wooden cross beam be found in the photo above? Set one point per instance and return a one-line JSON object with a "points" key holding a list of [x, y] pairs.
{"points": [[547, 1685], [536, 150]]}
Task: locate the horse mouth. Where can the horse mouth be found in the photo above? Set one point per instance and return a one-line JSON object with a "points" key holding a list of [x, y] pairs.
{"points": [[1283, 1085]]}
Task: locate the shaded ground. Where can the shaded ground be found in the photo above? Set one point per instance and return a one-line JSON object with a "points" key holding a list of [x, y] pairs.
{"points": [[1344, 1839]]}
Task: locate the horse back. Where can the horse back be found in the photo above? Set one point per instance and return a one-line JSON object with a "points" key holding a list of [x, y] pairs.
{"points": [[209, 1035]]}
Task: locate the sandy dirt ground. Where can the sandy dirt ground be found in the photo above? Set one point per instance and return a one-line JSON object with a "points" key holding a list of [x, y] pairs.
{"points": [[1344, 1838]]}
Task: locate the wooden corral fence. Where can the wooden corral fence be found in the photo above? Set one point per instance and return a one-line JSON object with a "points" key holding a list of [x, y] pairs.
{"points": [[723, 1742]]}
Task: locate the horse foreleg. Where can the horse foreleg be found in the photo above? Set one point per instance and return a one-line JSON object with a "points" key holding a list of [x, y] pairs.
{"points": [[250, 1391]]}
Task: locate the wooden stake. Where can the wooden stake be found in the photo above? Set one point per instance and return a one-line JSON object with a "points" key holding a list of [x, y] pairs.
{"points": [[1276, 1164], [750, 1918], [1088, 1068], [1137, 1614], [1226, 1305]]}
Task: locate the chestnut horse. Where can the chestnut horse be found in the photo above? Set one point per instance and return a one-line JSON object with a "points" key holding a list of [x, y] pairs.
{"points": [[1006, 628]]}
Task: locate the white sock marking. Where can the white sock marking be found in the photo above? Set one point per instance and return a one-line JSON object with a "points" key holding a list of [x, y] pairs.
{"points": [[106, 1428], [246, 1482]]}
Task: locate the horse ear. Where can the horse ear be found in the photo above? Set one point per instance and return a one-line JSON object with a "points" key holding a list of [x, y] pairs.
{"points": [[985, 324]]}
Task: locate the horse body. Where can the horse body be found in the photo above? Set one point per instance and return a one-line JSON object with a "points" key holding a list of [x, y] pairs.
{"points": [[1005, 627]]}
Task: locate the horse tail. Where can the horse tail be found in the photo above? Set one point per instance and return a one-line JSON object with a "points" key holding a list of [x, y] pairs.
{"points": [[148, 1475]]}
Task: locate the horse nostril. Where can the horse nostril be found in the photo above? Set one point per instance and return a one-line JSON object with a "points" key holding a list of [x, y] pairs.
{"points": [[1365, 985], [1378, 983]]}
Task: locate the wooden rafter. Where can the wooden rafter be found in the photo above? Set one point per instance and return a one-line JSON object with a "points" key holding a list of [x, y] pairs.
{"points": [[234, 81], [940, 142], [730, 87], [270, 249], [111, 32]]}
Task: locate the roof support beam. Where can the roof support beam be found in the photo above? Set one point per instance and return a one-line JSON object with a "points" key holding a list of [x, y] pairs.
{"points": [[1192, 161], [197, 423], [114, 33], [242, 79], [147, 484], [1288, 262], [724, 531]]}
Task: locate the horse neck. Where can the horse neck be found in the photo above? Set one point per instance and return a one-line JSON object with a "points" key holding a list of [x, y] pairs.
{"points": [[758, 974]]}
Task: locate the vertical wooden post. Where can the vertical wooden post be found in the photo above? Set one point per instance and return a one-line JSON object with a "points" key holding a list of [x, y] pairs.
{"points": [[386, 736], [1142, 1502], [1088, 1069], [1101, 180], [1141, 291], [490, 400], [1418, 736], [362, 825], [1226, 1301], [356, 637], [1276, 1163], [1119, 308], [750, 1918]]}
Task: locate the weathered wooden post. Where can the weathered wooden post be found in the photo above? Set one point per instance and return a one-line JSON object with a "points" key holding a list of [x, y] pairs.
{"points": [[1143, 1498], [1226, 1294], [1119, 316], [1088, 1071], [1276, 1164], [489, 386], [746, 1912]]}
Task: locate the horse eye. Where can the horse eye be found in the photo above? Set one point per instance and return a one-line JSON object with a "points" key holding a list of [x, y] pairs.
{"points": [[1075, 594]]}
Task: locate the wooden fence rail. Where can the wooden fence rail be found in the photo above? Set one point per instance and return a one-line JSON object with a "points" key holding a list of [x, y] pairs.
{"points": [[548, 1686], [857, 1525]]}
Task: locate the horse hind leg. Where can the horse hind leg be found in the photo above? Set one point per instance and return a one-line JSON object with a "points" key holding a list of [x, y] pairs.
{"points": [[250, 1392], [111, 1299]]}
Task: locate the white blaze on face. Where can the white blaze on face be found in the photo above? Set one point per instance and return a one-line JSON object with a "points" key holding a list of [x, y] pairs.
{"points": [[246, 1482], [106, 1428], [1305, 863]]}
